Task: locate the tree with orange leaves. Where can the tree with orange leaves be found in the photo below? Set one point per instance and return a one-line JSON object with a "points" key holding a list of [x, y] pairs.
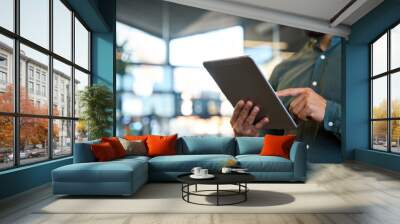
{"points": [[33, 131]]}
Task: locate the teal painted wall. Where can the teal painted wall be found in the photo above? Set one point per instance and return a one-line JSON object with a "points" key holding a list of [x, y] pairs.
{"points": [[356, 130], [99, 15], [379, 159], [103, 59], [103, 52], [24, 178]]}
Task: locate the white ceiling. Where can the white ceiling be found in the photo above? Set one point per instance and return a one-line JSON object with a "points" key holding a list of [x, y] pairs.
{"points": [[324, 16], [321, 9]]}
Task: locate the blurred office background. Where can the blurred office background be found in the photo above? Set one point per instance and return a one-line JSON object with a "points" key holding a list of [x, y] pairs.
{"points": [[161, 84]]}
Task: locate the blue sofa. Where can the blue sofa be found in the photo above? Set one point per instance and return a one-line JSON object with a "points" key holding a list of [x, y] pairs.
{"points": [[125, 176]]}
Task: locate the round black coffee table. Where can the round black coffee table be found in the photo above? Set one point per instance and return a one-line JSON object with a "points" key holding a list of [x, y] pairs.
{"points": [[238, 179]]}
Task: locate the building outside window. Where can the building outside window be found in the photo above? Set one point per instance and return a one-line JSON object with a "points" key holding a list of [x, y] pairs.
{"points": [[30, 87], [3, 72], [30, 72], [55, 129], [3, 61], [43, 90], [38, 89], [37, 74], [385, 92]]}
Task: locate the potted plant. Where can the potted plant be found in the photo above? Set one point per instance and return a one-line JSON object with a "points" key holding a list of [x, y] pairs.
{"points": [[96, 103]]}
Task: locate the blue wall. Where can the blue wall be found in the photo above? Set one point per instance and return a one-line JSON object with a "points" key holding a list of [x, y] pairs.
{"points": [[24, 178], [103, 52], [99, 15], [356, 132]]}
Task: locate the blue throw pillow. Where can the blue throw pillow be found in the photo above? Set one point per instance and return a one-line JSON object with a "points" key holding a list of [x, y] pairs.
{"points": [[194, 145], [83, 153], [249, 145]]}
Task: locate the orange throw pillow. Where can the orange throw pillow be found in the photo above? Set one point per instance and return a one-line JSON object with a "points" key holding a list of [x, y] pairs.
{"points": [[276, 145], [161, 145], [116, 145], [103, 152], [136, 137]]}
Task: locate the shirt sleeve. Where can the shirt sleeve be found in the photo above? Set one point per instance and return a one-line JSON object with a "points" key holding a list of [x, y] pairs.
{"points": [[274, 78], [333, 118]]}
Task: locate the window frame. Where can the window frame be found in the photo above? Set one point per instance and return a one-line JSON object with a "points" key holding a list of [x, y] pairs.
{"points": [[16, 115], [388, 74]]}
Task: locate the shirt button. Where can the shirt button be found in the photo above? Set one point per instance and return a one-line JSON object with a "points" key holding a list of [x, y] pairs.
{"points": [[330, 123], [314, 83], [322, 57]]}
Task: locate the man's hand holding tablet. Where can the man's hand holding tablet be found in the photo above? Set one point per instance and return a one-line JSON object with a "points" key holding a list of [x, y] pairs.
{"points": [[243, 117], [306, 105], [257, 106]]}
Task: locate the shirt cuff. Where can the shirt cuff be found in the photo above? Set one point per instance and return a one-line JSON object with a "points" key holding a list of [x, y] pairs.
{"points": [[333, 117]]}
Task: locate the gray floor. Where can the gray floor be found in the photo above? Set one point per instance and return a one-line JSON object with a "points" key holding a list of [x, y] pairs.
{"points": [[351, 181]]}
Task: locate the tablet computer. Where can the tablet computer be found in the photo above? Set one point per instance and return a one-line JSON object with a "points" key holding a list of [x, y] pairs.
{"points": [[240, 79]]}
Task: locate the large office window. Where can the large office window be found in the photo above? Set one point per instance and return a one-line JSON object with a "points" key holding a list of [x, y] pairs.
{"points": [[385, 92], [44, 64]]}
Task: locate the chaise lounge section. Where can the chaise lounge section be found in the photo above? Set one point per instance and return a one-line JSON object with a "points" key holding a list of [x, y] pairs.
{"points": [[125, 176]]}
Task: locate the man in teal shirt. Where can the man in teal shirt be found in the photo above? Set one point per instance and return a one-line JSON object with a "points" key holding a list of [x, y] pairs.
{"points": [[309, 84]]}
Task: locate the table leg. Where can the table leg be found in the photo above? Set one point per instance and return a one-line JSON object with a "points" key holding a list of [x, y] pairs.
{"points": [[182, 190], [217, 194], [245, 193], [188, 190]]}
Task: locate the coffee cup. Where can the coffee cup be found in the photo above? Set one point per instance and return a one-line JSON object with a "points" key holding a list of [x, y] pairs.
{"points": [[196, 171], [203, 172], [226, 170]]}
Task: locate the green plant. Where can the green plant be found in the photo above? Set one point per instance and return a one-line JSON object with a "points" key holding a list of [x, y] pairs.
{"points": [[97, 104]]}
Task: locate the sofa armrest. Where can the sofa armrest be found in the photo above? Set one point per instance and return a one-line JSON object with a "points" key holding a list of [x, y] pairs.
{"points": [[83, 152], [298, 156]]}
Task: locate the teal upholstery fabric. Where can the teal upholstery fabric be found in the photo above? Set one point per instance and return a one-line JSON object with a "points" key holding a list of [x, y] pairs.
{"points": [[119, 177], [129, 159], [194, 145], [257, 163], [298, 155], [185, 163], [98, 188], [126, 175], [83, 152], [249, 145]]}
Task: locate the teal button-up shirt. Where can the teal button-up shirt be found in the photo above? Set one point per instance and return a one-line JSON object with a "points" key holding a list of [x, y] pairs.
{"points": [[320, 71]]}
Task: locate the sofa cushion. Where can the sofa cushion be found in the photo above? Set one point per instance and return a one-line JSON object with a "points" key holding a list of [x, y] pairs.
{"points": [[116, 145], [198, 145], [134, 147], [103, 152], [83, 152], [185, 163], [133, 158], [249, 145], [257, 163], [159, 145], [112, 171], [277, 145], [136, 137]]}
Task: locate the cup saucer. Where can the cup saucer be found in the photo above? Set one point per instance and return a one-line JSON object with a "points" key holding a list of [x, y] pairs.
{"points": [[208, 176]]}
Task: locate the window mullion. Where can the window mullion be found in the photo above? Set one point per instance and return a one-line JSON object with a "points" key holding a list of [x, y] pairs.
{"points": [[73, 82], [371, 94], [16, 84], [389, 104], [50, 81]]}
